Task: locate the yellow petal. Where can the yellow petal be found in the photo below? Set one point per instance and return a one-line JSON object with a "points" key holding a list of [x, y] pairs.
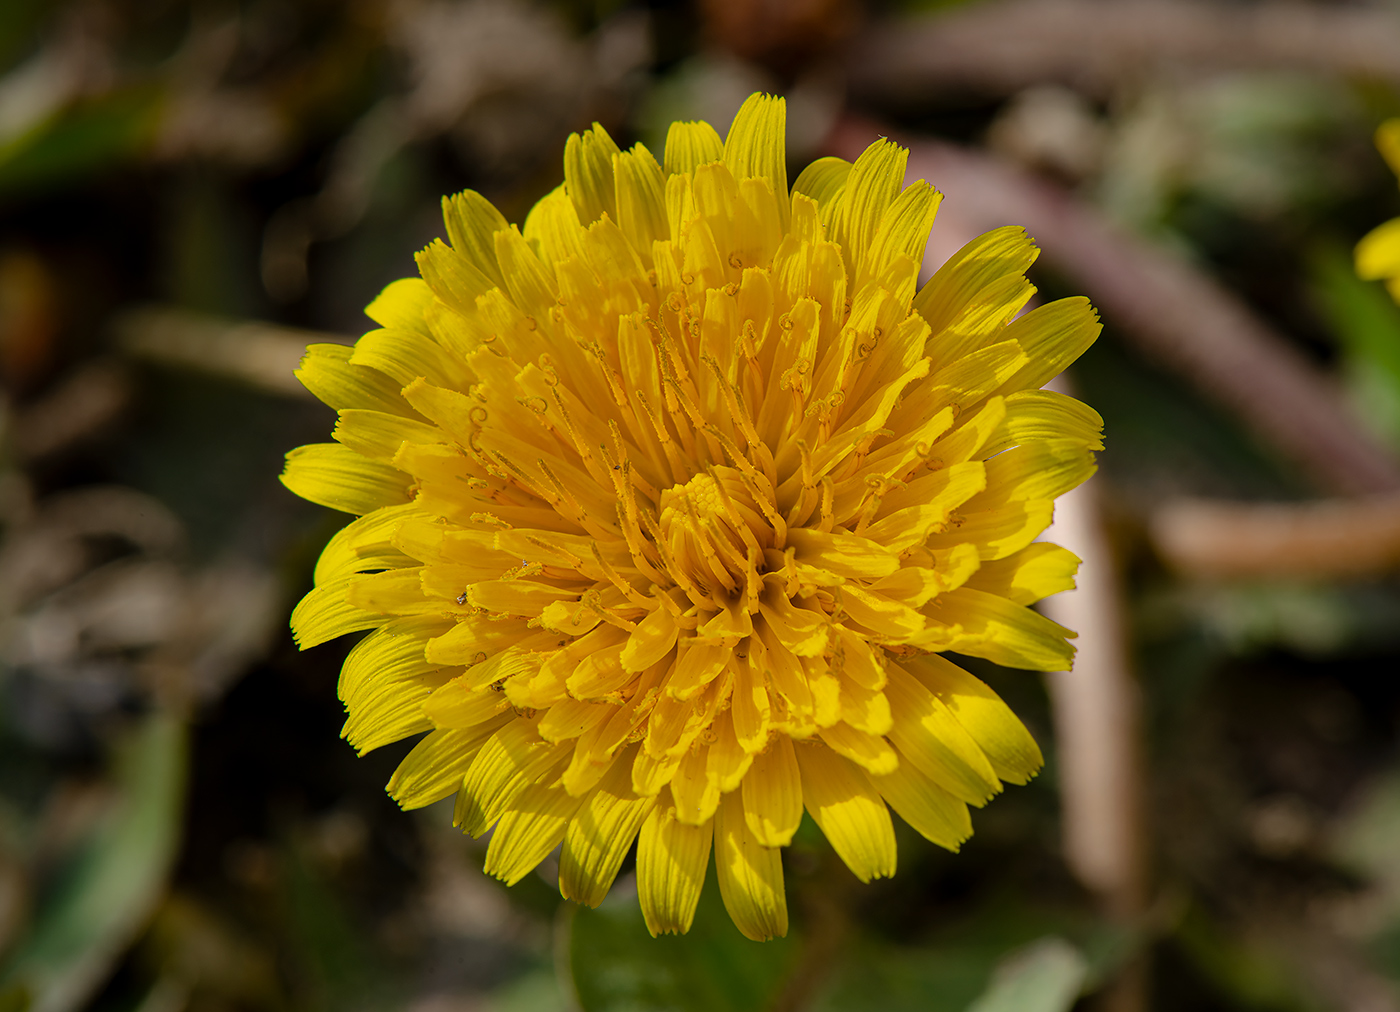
{"points": [[651, 641], [865, 709], [969, 439], [1053, 336], [456, 282], [459, 705], [875, 181], [784, 669], [329, 374], [1388, 143], [588, 174], [842, 554], [929, 736], [999, 531], [697, 665], [391, 653], [750, 875], [435, 767], [982, 320], [570, 619], [599, 674], [696, 794], [870, 751], [512, 759], [1033, 415], [472, 223], [690, 145], [823, 180], [849, 810], [801, 631], [826, 691], [326, 613], [600, 835], [336, 476], [886, 618], [931, 811], [451, 410], [963, 282], [395, 592], [590, 762], [650, 775], [1042, 470], [404, 304], [531, 827], [553, 230], [1035, 572], [727, 762], [671, 862], [379, 434], [727, 626], [516, 597], [570, 718], [388, 711], [903, 228], [917, 584], [641, 199], [434, 543], [934, 497], [750, 706], [532, 286], [406, 355], [757, 145], [473, 639], [985, 625], [855, 660], [772, 794], [999, 733], [1378, 252]]}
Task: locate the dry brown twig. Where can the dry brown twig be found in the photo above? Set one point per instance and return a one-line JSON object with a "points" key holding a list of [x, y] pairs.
{"points": [[262, 354], [1097, 710], [1329, 539], [1093, 45]]}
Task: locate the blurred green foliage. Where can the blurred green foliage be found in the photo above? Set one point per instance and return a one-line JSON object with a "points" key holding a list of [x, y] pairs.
{"points": [[616, 964], [100, 896]]}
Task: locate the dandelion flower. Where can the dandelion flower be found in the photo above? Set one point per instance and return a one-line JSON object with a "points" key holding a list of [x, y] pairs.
{"points": [[669, 503], [1378, 253]]}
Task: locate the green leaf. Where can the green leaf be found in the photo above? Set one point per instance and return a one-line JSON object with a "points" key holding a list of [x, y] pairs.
{"points": [[1366, 324], [616, 965], [876, 975], [82, 139], [1250, 971], [104, 895], [1046, 976]]}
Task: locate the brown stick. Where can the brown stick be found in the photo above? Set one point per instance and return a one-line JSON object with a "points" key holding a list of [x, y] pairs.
{"points": [[1097, 713], [1335, 539], [1092, 45], [263, 354], [1164, 306]]}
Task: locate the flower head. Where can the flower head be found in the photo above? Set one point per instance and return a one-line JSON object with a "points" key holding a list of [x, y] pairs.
{"points": [[669, 501], [1378, 253]]}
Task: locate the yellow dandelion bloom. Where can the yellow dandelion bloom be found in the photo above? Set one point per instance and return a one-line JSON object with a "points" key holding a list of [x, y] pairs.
{"points": [[1378, 253], [669, 501]]}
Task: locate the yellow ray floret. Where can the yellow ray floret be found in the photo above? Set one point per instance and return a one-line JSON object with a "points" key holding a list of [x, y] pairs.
{"points": [[1378, 253], [669, 501]]}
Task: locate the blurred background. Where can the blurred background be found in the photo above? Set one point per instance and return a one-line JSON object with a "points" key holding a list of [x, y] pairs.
{"points": [[192, 190]]}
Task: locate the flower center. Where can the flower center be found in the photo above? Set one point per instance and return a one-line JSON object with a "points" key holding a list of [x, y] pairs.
{"points": [[714, 532]]}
